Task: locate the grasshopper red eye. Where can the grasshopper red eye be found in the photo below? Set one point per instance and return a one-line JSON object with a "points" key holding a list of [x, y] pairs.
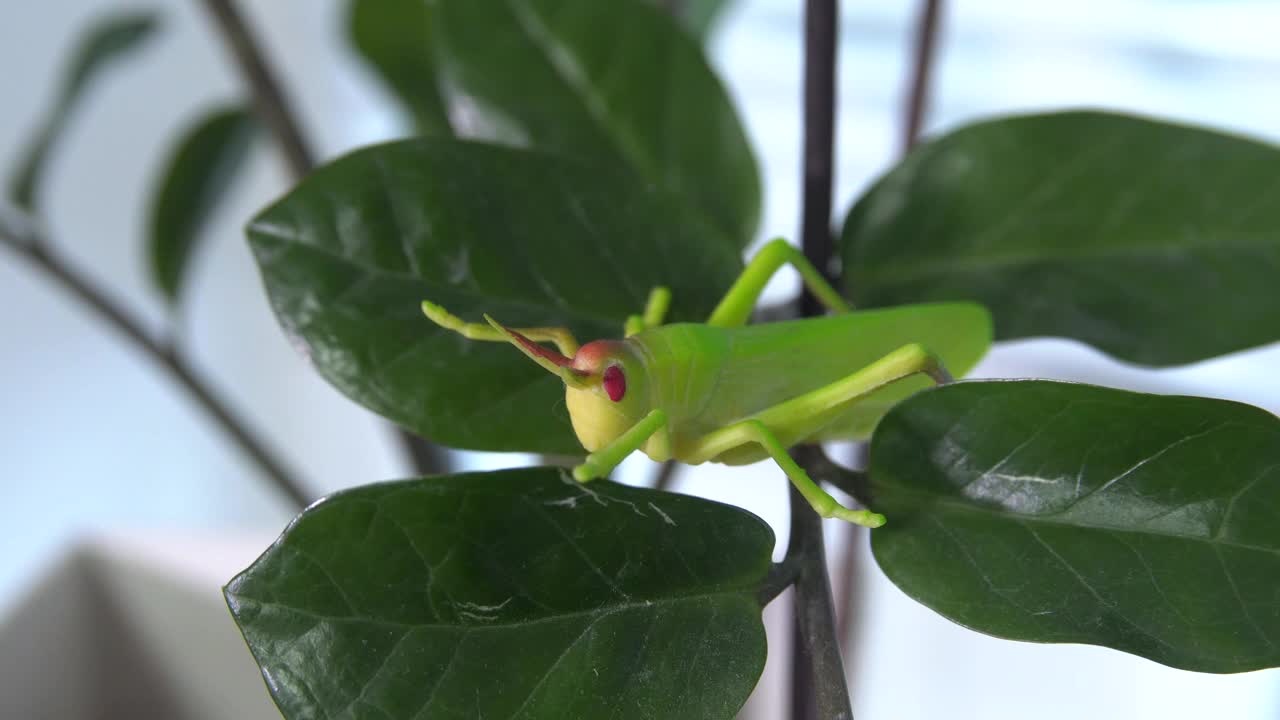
{"points": [[615, 383]]}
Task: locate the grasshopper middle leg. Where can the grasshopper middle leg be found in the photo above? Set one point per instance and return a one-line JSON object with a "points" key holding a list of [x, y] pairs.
{"points": [[735, 309], [603, 461], [655, 312]]}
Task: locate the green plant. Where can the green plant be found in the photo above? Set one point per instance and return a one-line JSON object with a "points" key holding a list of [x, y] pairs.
{"points": [[719, 391], [578, 154]]}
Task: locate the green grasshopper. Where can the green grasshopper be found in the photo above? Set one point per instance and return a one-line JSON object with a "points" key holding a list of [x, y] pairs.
{"points": [[734, 393]]}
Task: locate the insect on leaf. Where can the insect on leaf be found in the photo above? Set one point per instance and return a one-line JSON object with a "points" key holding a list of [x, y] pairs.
{"points": [[350, 254]]}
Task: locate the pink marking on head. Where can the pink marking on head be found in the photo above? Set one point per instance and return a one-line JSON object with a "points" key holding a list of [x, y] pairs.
{"points": [[615, 383], [544, 352], [593, 355]]}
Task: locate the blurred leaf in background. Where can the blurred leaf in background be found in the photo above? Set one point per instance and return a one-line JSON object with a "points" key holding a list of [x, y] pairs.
{"points": [[206, 160], [111, 39], [395, 39]]}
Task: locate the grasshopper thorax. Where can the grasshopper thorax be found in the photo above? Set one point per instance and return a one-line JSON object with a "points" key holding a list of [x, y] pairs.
{"points": [[615, 395]]}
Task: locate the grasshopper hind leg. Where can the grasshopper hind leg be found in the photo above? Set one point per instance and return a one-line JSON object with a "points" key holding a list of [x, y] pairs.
{"points": [[735, 308], [797, 420], [754, 431]]}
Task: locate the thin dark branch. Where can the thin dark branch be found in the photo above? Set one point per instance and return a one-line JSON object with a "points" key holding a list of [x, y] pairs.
{"points": [[850, 560], [818, 680], [854, 482], [821, 20], [924, 49], [427, 458], [666, 475], [268, 99], [273, 108], [34, 248], [781, 576]]}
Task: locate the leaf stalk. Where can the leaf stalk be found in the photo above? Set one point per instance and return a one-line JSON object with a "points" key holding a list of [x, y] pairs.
{"points": [[818, 680]]}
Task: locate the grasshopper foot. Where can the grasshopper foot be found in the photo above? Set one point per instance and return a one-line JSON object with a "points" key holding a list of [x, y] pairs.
{"points": [[586, 472], [865, 518]]}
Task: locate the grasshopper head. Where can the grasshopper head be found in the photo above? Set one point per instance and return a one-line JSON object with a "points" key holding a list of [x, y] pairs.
{"points": [[617, 397], [606, 388]]}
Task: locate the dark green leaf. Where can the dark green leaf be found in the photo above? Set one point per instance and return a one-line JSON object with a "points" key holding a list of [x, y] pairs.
{"points": [[697, 16], [205, 162], [110, 39], [1054, 512], [515, 594], [527, 237], [1157, 243], [394, 36], [614, 81]]}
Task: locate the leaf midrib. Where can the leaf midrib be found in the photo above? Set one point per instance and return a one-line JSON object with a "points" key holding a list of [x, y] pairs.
{"points": [[747, 592]]}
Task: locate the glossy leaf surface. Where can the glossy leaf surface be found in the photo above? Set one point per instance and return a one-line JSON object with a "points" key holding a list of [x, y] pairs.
{"points": [[111, 39], [206, 161], [1157, 243], [531, 239], [617, 82], [514, 594], [395, 38], [1054, 512]]}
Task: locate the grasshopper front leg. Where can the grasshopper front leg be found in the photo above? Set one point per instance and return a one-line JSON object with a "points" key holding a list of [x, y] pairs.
{"points": [[563, 339], [603, 461]]}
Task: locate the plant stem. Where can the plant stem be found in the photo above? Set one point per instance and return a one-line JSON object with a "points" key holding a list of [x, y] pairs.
{"points": [[269, 101], [35, 249], [926, 41], [818, 681], [917, 99], [821, 20], [273, 108], [846, 575], [666, 475], [781, 576]]}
